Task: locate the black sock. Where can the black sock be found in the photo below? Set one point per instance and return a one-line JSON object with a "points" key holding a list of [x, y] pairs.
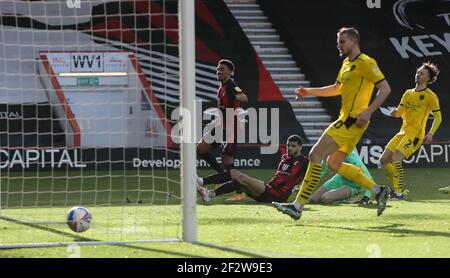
{"points": [[240, 190], [217, 178], [227, 187], [212, 161]]}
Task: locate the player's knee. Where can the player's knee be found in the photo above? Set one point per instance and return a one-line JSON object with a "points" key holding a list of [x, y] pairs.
{"points": [[398, 156], [229, 165], [315, 156], [235, 174], [228, 162], [384, 159], [201, 149], [240, 178], [333, 165]]}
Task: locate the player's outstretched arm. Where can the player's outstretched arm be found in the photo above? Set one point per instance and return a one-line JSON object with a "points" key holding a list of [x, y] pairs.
{"points": [[327, 91]]}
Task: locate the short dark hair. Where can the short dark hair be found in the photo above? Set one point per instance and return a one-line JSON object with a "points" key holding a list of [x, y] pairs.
{"points": [[227, 63], [433, 71], [350, 31], [295, 138]]}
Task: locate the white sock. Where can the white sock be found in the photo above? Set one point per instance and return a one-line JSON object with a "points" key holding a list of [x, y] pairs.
{"points": [[298, 206], [200, 181]]}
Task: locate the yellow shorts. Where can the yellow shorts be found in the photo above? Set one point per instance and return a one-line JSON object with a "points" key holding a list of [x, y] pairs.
{"points": [[405, 143], [345, 133]]}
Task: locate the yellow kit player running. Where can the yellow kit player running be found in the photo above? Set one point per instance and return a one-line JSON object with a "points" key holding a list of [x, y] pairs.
{"points": [[355, 83], [414, 108]]}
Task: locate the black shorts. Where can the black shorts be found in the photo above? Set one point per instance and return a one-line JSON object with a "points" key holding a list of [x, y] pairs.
{"points": [[225, 148], [270, 195]]}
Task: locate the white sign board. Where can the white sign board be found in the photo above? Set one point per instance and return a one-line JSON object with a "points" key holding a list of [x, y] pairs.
{"points": [[90, 68]]}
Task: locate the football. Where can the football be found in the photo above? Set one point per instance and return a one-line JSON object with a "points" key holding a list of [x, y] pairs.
{"points": [[79, 219]]}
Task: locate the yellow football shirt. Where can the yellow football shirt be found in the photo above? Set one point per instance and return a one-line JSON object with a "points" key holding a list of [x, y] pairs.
{"points": [[357, 79], [414, 109]]}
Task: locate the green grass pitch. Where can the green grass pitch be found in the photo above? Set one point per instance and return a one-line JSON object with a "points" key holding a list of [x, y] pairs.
{"points": [[418, 227]]}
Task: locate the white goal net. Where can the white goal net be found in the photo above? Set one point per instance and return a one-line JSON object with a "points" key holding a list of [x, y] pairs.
{"points": [[86, 90]]}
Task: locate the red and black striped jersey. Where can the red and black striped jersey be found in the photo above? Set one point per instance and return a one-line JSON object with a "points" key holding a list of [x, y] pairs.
{"points": [[226, 98], [290, 172], [226, 95]]}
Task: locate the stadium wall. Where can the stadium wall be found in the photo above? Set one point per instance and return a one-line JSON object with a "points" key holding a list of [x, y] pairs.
{"points": [[147, 159], [29, 125], [399, 34]]}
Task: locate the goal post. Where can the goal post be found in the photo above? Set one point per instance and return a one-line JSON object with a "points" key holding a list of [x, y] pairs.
{"points": [[187, 94]]}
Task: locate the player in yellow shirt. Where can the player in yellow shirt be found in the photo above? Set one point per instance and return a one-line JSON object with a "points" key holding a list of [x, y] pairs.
{"points": [[414, 108], [355, 82]]}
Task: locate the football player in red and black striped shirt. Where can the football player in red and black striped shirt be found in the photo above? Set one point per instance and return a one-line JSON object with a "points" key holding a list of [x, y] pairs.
{"points": [[290, 172], [229, 95]]}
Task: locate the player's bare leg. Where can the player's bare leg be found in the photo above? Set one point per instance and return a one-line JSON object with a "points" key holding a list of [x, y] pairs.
{"points": [[253, 187], [315, 198], [398, 156], [227, 160], [324, 147], [335, 195], [386, 156], [325, 196], [335, 160]]}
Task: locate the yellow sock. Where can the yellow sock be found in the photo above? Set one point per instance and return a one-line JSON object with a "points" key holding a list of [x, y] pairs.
{"points": [[400, 173], [390, 171], [356, 175], [394, 176], [310, 182]]}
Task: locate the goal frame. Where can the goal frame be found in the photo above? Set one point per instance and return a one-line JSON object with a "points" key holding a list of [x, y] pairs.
{"points": [[186, 18]]}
